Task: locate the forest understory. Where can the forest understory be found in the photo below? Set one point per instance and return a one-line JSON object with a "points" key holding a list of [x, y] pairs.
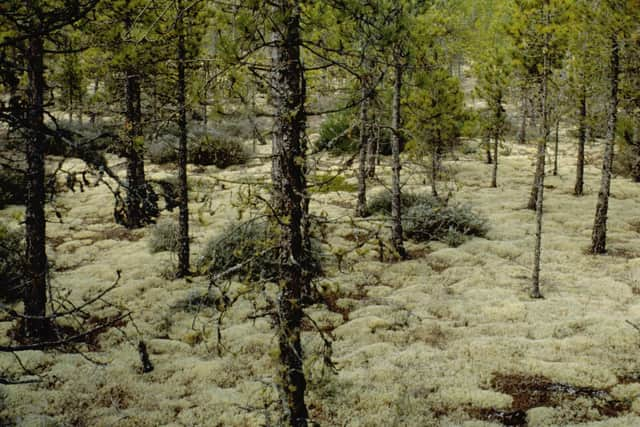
{"points": [[448, 337]]}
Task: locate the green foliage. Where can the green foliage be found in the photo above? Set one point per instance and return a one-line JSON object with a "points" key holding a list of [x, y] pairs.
{"points": [[12, 249], [221, 152], [165, 236], [330, 183], [427, 218], [626, 162], [12, 187], [436, 107], [449, 224], [253, 245], [380, 203], [339, 133]]}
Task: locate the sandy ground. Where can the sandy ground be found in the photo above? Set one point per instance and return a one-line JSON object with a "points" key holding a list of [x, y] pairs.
{"points": [[416, 343]]}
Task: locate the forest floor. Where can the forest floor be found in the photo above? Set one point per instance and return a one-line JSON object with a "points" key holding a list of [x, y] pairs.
{"points": [[449, 337]]}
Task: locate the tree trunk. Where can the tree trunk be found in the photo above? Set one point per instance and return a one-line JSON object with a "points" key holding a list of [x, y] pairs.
{"points": [[134, 216], [599, 236], [494, 175], [396, 207], [289, 186], [582, 138], [435, 164], [361, 208], [522, 133], [373, 145], [555, 148], [542, 148], [35, 280], [487, 147], [540, 165], [183, 252]]}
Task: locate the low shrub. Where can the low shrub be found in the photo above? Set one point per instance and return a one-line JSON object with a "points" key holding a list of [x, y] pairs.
{"points": [[252, 244], [165, 236], [380, 203], [12, 249], [337, 134], [221, 152], [449, 224], [427, 218]]}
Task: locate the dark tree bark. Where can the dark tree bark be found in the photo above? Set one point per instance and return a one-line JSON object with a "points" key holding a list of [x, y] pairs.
{"points": [[134, 203], [599, 235], [435, 166], [582, 138], [396, 206], [289, 189], [487, 147], [361, 207], [183, 216], [35, 291]]}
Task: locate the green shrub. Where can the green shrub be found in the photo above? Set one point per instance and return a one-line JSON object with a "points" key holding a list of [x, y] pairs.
{"points": [[253, 244], [335, 135], [449, 224], [12, 188], [380, 203], [626, 162], [165, 236], [12, 249], [221, 152]]}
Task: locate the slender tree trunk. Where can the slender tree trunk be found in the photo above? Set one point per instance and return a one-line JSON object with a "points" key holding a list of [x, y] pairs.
{"points": [[289, 186], [522, 133], [435, 164], [373, 147], [540, 165], [135, 181], [396, 206], [361, 208], [487, 147], [555, 148], [599, 236], [494, 175], [582, 138], [542, 148], [183, 253], [35, 278]]}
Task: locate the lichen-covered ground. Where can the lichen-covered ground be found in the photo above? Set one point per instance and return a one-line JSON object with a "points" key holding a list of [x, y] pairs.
{"points": [[447, 338]]}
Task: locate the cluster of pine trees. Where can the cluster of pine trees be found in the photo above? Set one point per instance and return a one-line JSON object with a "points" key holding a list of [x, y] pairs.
{"points": [[129, 67]]}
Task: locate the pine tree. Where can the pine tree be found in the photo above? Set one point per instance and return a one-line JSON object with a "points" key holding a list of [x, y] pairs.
{"points": [[29, 26]]}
